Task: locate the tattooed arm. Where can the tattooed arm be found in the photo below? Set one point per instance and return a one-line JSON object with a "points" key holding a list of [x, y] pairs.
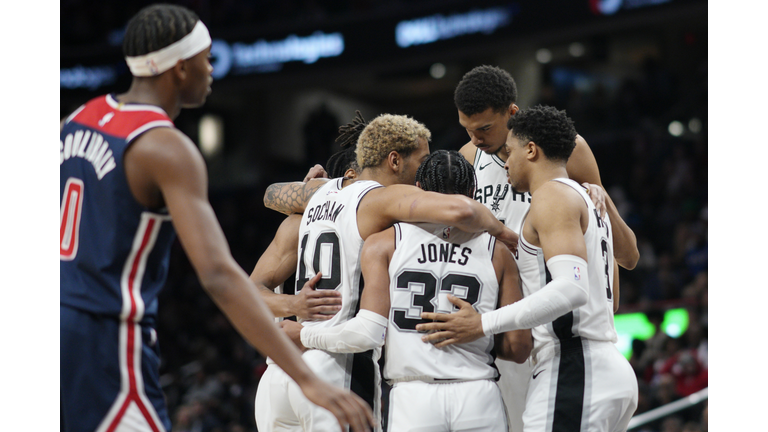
{"points": [[291, 197]]}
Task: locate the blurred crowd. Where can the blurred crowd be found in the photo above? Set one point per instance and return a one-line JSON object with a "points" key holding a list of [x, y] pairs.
{"points": [[85, 22]]}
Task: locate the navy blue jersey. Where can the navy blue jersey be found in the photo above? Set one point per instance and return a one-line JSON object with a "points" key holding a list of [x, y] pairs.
{"points": [[114, 251]]}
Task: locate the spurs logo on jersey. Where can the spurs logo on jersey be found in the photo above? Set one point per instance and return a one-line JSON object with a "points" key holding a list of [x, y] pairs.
{"points": [[424, 269], [495, 192], [595, 319]]}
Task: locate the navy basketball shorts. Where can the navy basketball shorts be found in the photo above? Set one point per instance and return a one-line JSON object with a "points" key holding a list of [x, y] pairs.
{"points": [[109, 375]]}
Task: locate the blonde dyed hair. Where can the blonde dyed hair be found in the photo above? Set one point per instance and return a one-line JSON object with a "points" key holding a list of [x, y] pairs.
{"points": [[387, 133]]}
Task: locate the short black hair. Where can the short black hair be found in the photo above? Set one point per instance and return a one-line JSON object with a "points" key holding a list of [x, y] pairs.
{"points": [[485, 87], [157, 26], [549, 128], [447, 172]]}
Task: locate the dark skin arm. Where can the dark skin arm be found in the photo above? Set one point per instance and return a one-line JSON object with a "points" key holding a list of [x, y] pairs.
{"points": [[515, 345], [164, 167], [374, 261], [382, 207], [291, 197], [556, 221], [466, 325], [277, 264], [582, 167]]}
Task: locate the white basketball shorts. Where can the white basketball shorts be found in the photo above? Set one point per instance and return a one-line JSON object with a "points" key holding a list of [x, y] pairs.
{"points": [[417, 406], [580, 385]]}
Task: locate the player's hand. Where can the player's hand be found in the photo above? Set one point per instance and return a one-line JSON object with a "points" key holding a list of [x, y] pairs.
{"points": [[597, 195], [316, 305], [455, 328], [316, 171], [347, 407], [509, 238], [293, 330]]}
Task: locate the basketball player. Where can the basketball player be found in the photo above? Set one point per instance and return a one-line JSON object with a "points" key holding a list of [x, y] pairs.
{"points": [[486, 98], [275, 271], [126, 174], [580, 380], [413, 267], [339, 216]]}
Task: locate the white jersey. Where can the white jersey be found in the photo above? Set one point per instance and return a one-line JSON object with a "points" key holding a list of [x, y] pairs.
{"points": [[495, 192], [431, 261], [594, 320], [330, 243]]}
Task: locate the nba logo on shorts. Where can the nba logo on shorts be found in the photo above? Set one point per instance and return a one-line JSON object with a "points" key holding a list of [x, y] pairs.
{"points": [[576, 273]]}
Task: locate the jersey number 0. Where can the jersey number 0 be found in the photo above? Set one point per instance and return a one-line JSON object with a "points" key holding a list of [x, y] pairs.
{"points": [[71, 207]]}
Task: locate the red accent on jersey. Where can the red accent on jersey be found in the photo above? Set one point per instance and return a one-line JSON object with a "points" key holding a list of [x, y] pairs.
{"points": [[122, 121], [132, 350]]}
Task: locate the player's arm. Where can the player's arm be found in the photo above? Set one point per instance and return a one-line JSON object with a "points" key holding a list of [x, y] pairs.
{"points": [[277, 264], [624, 241], [172, 163], [382, 207], [291, 197], [367, 330], [555, 216], [469, 151], [616, 291], [512, 345], [582, 167]]}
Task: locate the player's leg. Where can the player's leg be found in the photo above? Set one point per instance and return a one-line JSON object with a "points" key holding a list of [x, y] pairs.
{"points": [[513, 384], [540, 399], [87, 388], [310, 416], [272, 408], [612, 388], [476, 406], [416, 406], [109, 375]]}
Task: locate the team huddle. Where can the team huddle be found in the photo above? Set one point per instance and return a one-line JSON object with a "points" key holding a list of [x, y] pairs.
{"points": [[479, 284]]}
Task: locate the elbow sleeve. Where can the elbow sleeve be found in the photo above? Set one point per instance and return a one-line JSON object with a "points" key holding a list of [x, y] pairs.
{"points": [[568, 290], [364, 332]]}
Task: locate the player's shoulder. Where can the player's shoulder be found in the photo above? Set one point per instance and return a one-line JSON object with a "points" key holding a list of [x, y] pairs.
{"points": [[168, 148], [392, 191], [555, 196], [469, 151], [382, 242]]}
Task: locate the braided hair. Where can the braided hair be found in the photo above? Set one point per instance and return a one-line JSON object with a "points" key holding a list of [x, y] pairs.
{"points": [[157, 26], [447, 172], [346, 158]]}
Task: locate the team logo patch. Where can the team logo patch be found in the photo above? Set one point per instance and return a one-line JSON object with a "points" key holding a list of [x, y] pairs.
{"points": [[577, 273]]}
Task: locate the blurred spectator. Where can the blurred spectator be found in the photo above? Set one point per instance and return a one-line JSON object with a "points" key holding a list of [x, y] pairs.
{"points": [[690, 376], [672, 424]]}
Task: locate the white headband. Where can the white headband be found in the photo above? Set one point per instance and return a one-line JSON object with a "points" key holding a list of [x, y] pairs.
{"points": [[163, 59]]}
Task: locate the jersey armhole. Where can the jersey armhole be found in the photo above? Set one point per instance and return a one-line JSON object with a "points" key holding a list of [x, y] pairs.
{"points": [[398, 234], [492, 246], [477, 158]]}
